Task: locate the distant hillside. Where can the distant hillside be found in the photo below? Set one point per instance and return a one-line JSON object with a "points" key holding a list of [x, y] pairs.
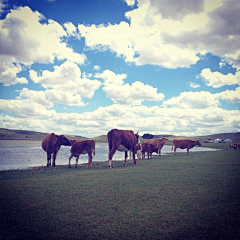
{"points": [[8, 134]]}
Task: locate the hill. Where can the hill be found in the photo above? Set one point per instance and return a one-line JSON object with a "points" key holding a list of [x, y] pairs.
{"points": [[9, 134]]}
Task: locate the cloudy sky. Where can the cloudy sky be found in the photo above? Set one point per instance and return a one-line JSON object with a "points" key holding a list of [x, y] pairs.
{"points": [[84, 67]]}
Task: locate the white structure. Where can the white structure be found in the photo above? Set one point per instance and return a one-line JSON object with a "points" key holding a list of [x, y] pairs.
{"points": [[228, 140]]}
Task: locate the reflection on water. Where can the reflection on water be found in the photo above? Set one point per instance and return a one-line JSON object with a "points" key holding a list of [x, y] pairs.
{"points": [[24, 154]]}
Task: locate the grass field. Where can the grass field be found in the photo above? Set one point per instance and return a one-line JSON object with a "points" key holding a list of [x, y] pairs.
{"points": [[174, 197]]}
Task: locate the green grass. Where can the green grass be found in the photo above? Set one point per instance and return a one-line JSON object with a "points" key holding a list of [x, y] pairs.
{"points": [[174, 197]]}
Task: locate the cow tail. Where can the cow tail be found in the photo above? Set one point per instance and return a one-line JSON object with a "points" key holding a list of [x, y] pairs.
{"points": [[109, 137], [172, 147]]}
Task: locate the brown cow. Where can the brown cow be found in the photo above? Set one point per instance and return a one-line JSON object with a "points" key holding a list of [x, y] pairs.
{"points": [[121, 137], [234, 146], [184, 144], [149, 148], [83, 147], [157, 143], [51, 144]]}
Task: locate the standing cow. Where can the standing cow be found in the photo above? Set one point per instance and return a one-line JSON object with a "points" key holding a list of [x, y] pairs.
{"points": [[83, 147], [51, 144], [184, 144], [121, 137], [157, 143], [149, 148]]}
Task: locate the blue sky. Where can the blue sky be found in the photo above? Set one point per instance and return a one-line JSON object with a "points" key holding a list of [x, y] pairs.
{"points": [[153, 66]]}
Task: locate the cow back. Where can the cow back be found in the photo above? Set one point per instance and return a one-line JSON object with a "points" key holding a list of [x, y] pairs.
{"points": [[48, 142]]}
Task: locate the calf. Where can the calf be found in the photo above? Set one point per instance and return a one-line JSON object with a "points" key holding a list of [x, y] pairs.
{"points": [[83, 147], [149, 148]]}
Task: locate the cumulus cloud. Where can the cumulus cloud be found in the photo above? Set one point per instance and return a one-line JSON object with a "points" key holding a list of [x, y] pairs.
{"points": [[217, 79], [193, 85], [25, 108], [121, 93], [232, 96], [26, 40], [65, 85], [169, 33], [193, 100]]}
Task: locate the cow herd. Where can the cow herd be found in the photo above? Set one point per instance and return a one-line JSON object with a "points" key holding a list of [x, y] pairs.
{"points": [[118, 140]]}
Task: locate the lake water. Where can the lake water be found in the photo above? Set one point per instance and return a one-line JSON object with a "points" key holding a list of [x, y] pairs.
{"points": [[25, 154]]}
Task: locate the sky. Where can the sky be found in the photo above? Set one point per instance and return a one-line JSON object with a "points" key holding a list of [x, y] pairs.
{"points": [[84, 67]]}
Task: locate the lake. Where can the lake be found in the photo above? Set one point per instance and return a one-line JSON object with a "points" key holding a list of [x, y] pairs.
{"points": [[24, 154]]}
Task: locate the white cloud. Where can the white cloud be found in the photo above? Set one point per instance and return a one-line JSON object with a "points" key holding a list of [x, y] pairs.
{"points": [[65, 85], [190, 122], [25, 40], [193, 100], [193, 85], [130, 2], [171, 34], [121, 93], [25, 108], [229, 95], [217, 79]]}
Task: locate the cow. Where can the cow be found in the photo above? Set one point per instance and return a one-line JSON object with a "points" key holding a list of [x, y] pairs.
{"points": [[184, 144], [138, 151], [234, 146], [149, 148], [157, 143], [83, 147], [51, 145], [126, 138]]}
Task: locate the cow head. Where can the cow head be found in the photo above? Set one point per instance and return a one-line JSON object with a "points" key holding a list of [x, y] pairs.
{"points": [[198, 143], [72, 141], [137, 138], [62, 140]]}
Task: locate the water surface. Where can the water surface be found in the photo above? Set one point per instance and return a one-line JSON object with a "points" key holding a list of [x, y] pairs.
{"points": [[24, 154]]}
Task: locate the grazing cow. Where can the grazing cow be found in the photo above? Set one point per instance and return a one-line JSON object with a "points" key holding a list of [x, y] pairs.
{"points": [[121, 148], [121, 137], [149, 148], [51, 144], [157, 143], [83, 147], [184, 144]]}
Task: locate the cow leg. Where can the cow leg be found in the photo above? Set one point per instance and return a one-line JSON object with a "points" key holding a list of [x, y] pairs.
{"points": [[175, 150], [130, 156], [54, 158], [48, 159], [110, 156], [69, 161], [89, 160], [77, 160], [126, 155], [134, 159], [187, 151]]}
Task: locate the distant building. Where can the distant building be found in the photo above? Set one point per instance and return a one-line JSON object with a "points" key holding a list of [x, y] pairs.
{"points": [[228, 140]]}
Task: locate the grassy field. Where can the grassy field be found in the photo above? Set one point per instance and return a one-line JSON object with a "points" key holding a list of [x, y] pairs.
{"points": [[174, 197]]}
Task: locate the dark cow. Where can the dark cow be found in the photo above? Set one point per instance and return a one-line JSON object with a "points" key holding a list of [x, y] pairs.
{"points": [[185, 144], [121, 137], [51, 144], [234, 146], [149, 148], [157, 143], [83, 147]]}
